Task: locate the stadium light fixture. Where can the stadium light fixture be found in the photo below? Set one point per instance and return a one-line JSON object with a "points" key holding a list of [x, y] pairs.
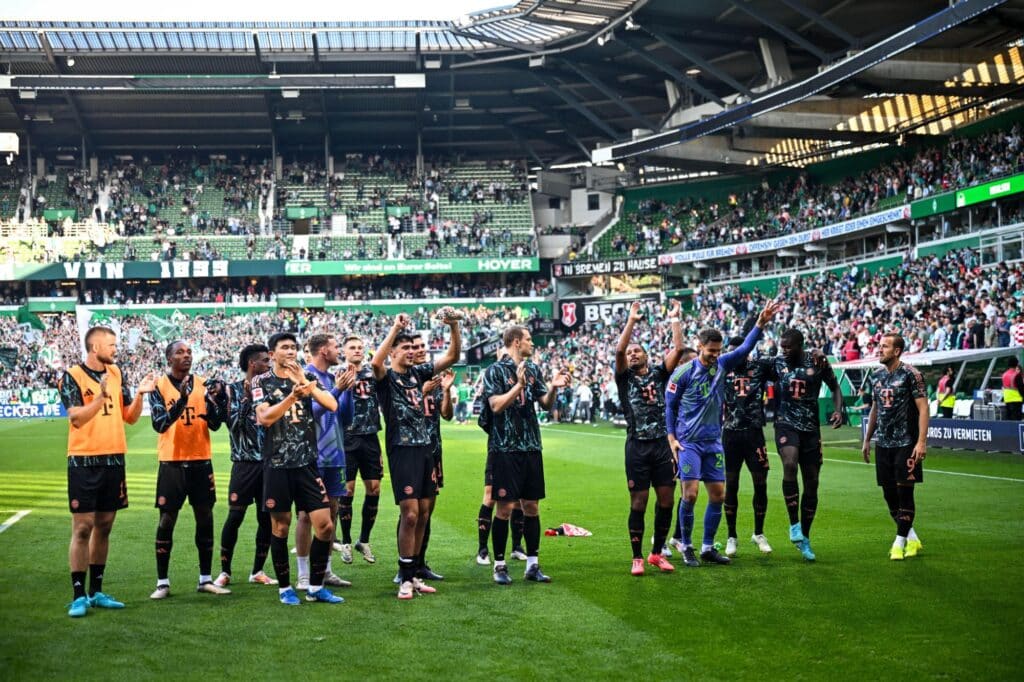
{"points": [[632, 25], [431, 62], [71, 62], [537, 62], [289, 94], [693, 71]]}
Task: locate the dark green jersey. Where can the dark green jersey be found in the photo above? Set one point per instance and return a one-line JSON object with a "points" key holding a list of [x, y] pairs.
{"points": [[366, 419], [516, 429], [290, 442], [798, 390], [744, 396], [643, 401], [894, 395], [246, 434], [401, 400]]}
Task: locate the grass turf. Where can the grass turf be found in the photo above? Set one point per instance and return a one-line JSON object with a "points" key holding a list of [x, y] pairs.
{"points": [[957, 611]]}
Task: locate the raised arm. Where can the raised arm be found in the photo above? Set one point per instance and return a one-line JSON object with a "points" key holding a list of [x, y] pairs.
{"points": [[732, 359], [675, 317], [560, 380], [454, 348], [627, 333], [377, 363]]}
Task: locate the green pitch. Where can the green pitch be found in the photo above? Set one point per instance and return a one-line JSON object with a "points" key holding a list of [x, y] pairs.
{"points": [[957, 611]]}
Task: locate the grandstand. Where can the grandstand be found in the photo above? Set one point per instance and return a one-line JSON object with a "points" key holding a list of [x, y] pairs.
{"points": [[546, 163]]}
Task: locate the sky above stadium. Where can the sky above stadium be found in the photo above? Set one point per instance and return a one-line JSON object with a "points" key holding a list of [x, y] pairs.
{"points": [[240, 10]]}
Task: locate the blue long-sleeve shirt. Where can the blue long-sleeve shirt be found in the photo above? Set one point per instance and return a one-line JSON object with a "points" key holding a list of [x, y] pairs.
{"points": [[695, 393], [331, 425]]}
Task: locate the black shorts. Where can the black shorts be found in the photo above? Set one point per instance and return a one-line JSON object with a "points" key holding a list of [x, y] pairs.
{"points": [[897, 466], [807, 443], [177, 480], [246, 484], [438, 468], [362, 456], [649, 462], [301, 486], [96, 488], [745, 446], [518, 476], [412, 472]]}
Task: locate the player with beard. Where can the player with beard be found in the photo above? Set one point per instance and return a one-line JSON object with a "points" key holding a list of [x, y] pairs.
{"points": [[283, 399], [649, 459], [246, 486], [184, 410], [797, 431], [362, 453], [409, 438], [98, 406], [899, 416]]}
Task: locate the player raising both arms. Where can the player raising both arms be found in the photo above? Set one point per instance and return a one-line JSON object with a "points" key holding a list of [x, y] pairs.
{"points": [[98, 406], [799, 376], [409, 440], [693, 418], [899, 415], [649, 459]]}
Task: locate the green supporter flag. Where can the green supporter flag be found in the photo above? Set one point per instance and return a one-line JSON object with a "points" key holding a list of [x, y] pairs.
{"points": [[31, 319], [162, 329]]}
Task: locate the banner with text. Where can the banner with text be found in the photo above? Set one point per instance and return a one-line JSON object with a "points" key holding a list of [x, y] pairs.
{"points": [[411, 267], [971, 434], [177, 269], [30, 402], [580, 311], [776, 243], [622, 266]]}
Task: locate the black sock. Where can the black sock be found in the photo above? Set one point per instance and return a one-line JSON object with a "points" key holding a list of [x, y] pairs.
{"points": [[760, 505], [517, 528], [636, 532], [732, 485], [677, 534], [319, 550], [345, 519], [164, 544], [422, 559], [905, 518], [78, 583], [96, 578], [531, 533], [662, 525], [808, 508], [204, 543], [791, 494], [279, 557], [370, 505], [483, 526], [499, 537], [406, 569], [229, 538], [892, 500], [262, 541]]}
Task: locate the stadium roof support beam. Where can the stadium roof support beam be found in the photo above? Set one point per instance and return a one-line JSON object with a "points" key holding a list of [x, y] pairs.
{"points": [[640, 50], [822, 21], [612, 95], [783, 31], [68, 97], [697, 61], [563, 93], [777, 98], [557, 118]]}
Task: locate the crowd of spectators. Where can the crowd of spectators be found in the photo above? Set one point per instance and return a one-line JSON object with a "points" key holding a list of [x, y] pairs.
{"points": [[797, 203]]}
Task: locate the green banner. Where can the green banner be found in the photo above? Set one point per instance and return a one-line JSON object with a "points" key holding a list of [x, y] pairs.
{"points": [[940, 203], [58, 214], [50, 305], [399, 211], [181, 269], [301, 212], [300, 300], [406, 267], [990, 190]]}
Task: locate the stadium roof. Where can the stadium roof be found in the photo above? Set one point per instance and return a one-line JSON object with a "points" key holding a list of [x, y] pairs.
{"points": [[935, 358], [552, 80]]}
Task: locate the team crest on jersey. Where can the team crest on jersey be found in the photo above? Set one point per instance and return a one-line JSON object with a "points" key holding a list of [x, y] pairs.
{"points": [[257, 393], [74, 504], [672, 387], [632, 483], [810, 371], [569, 314], [270, 503], [782, 440], [407, 490]]}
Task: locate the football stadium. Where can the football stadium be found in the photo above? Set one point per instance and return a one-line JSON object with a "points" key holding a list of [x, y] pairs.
{"points": [[561, 339]]}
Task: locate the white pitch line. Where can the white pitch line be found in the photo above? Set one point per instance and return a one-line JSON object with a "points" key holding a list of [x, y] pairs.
{"points": [[827, 459], [14, 519]]}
